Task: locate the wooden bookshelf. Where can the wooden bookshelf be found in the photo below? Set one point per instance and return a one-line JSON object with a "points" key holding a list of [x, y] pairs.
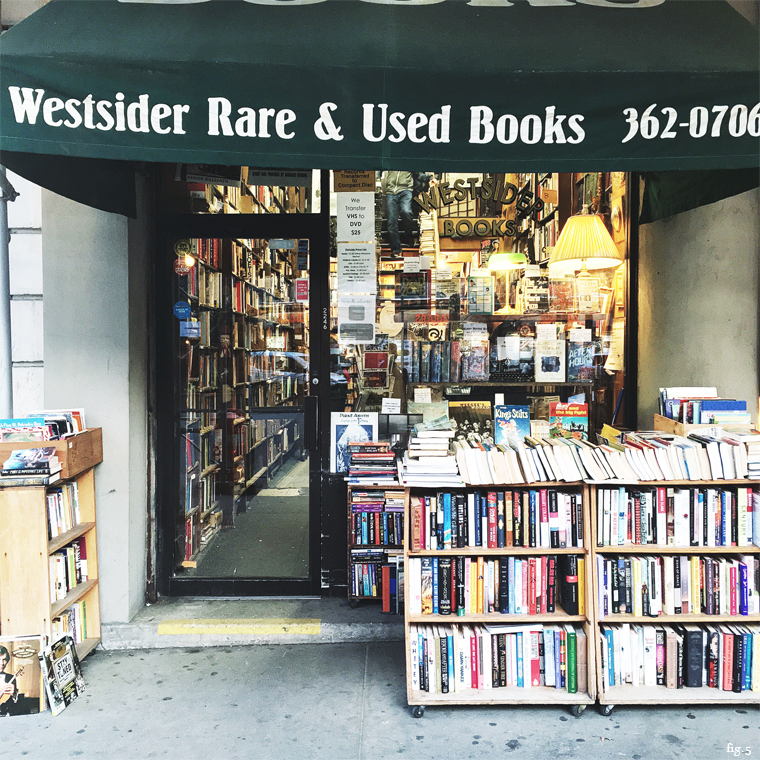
{"points": [[658, 695], [25, 604], [510, 695]]}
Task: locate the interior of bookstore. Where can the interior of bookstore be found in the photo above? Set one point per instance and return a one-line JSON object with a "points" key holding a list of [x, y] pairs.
{"points": [[448, 295]]}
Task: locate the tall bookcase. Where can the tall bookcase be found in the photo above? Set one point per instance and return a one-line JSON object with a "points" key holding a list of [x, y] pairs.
{"points": [[510, 695], [25, 597], [659, 694], [249, 354]]}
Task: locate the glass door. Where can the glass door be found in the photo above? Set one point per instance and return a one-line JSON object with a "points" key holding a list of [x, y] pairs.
{"points": [[240, 280], [242, 372]]}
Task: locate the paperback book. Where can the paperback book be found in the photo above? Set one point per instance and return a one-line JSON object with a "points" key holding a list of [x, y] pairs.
{"points": [[568, 420], [511, 421]]}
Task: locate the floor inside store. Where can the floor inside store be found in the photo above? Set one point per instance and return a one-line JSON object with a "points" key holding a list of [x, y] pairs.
{"points": [[338, 702], [270, 539]]}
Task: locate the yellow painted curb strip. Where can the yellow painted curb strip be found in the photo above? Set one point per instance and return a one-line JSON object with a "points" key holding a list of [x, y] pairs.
{"points": [[251, 626]]}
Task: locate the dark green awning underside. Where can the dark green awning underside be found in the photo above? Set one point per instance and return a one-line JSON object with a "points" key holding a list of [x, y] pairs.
{"points": [[531, 65]]}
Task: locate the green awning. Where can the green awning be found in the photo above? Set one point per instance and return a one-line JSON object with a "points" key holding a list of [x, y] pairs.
{"points": [[519, 87]]}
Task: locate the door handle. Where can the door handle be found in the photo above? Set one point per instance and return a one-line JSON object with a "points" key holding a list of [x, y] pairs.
{"points": [[311, 422]]}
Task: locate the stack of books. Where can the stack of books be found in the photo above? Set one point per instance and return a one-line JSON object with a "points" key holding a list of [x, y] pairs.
{"points": [[372, 463], [428, 461], [30, 467]]}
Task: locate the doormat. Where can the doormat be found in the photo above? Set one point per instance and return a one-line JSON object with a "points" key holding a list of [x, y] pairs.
{"points": [[279, 492], [251, 626]]}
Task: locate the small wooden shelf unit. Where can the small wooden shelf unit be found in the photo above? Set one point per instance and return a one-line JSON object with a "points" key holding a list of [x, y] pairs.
{"points": [[25, 605], [657, 695], [510, 695]]}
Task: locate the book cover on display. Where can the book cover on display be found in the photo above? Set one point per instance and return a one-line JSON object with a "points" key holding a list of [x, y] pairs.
{"points": [[511, 421], [550, 361], [580, 360], [61, 673], [349, 427], [568, 420], [21, 691], [472, 420]]}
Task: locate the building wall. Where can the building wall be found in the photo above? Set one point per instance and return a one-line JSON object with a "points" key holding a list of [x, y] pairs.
{"points": [[95, 358], [25, 249], [698, 302]]}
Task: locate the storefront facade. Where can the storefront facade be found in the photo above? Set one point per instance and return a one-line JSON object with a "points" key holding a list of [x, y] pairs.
{"points": [[389, 100]]}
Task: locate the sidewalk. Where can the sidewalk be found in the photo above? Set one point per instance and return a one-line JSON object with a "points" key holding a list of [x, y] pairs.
{"points": [[335, 702]]}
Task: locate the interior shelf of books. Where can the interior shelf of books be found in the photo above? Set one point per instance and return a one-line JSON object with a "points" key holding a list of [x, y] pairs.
{"points": [[48, 530], [243, 356], [214, 189]]}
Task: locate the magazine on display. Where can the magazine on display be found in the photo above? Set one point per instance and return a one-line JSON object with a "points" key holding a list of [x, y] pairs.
{"points": [[21, 691], [61, 673]]}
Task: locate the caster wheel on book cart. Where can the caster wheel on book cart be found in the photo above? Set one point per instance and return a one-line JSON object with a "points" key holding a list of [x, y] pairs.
{"points": [[578, 710], [606, 709], [418, 711]]}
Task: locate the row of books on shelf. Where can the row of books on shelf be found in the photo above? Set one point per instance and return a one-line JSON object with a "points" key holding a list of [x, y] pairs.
{"points": [[377, 528], [365, 570], [701, 405], [514, 359], [682, 517], [72, 621], [544, 517], [448, 659], [208, 250], [68, 569], [392, 583], [723, 657], [63, 510], [31, 467], [505, 585], [678, 585]]}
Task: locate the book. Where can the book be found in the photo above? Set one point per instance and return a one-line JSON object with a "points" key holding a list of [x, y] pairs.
{"points": [[511, 421], [550, 361], [568, 420], [345, 428], [35, 461], [21, 690], [472, 420], [62, 673]]}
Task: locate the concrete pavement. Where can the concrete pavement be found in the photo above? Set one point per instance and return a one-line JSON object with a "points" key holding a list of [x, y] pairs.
{"points": [[336, 702]]}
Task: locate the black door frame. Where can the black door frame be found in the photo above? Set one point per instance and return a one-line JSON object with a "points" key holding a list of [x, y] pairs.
{"points": [[316, 228]]}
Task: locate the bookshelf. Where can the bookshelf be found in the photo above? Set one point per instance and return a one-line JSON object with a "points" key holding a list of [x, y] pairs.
{"points": [[419, 698], [375, 535], [25, 568], [248, 359], [648, 693]]}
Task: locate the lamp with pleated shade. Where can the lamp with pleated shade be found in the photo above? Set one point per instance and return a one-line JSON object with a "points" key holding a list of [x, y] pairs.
{"points": [[584, 243]]}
